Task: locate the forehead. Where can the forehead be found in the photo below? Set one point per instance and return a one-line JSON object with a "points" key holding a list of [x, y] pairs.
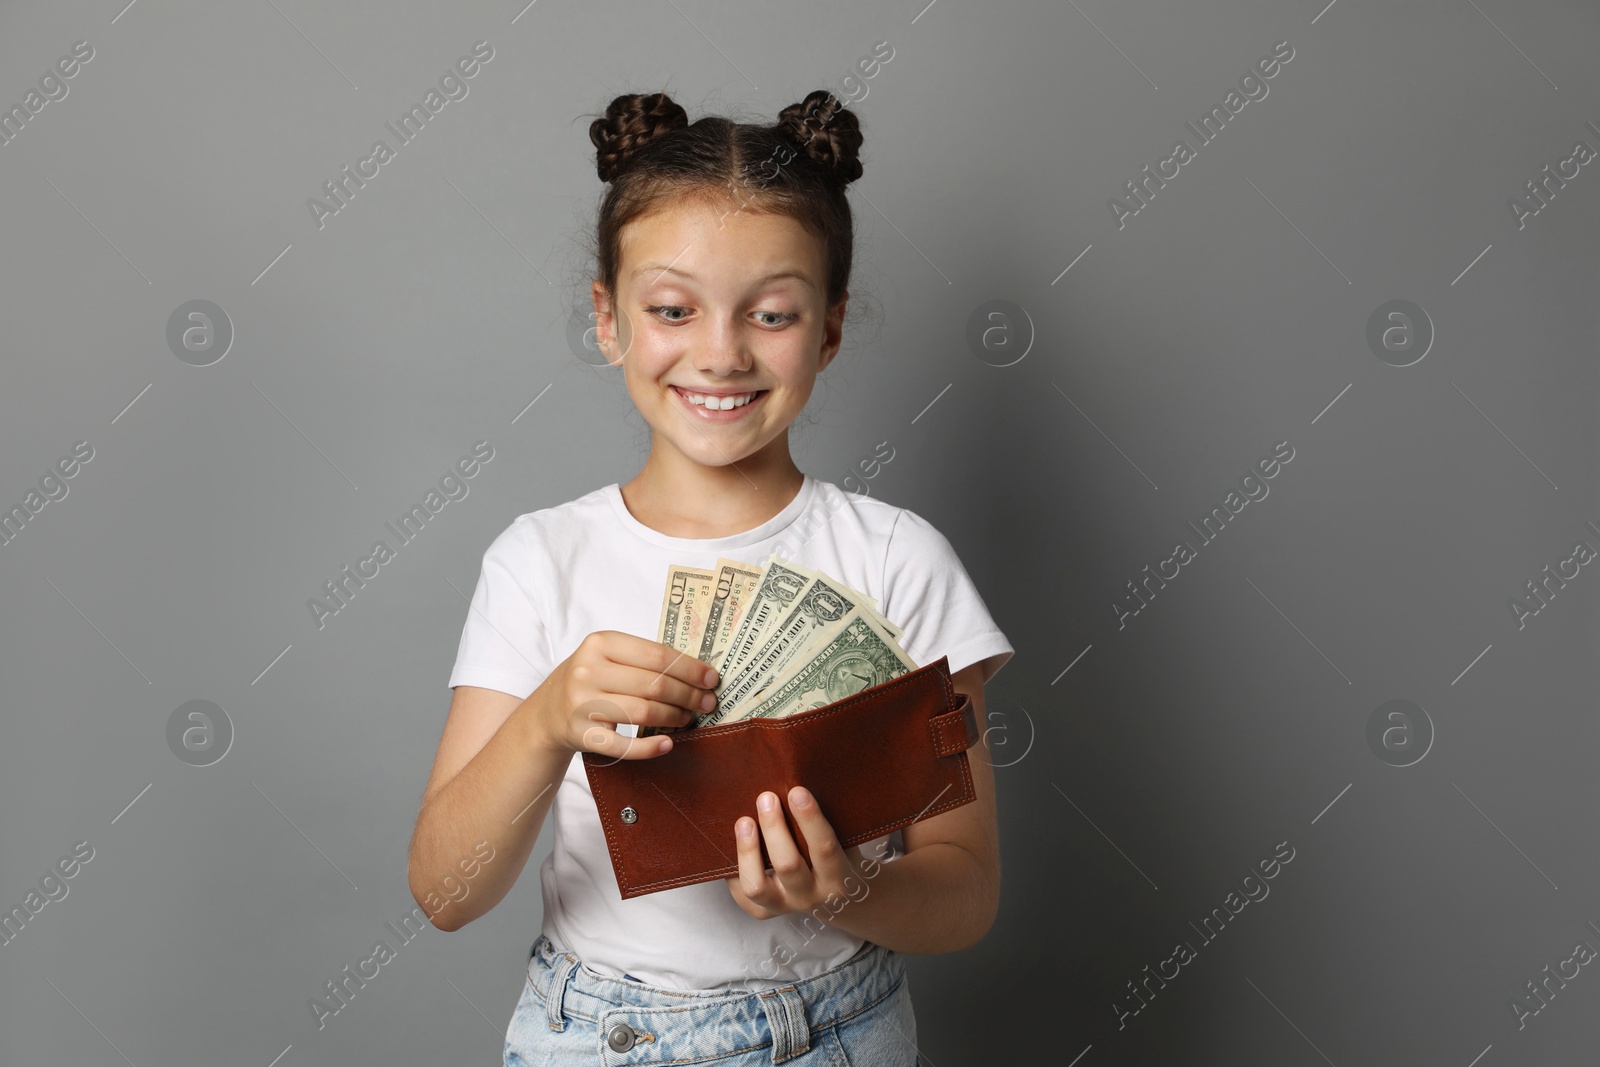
{"points": [[717, 243]]}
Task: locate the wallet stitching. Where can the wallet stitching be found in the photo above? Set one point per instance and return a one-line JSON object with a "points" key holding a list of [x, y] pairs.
{"points": [[711, 734], [731, 869], [846, 842], [867, 835], [937, 725]]}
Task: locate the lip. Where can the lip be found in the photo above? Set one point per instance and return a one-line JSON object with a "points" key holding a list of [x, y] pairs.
{"points": [[731, 415], [715, 392]]}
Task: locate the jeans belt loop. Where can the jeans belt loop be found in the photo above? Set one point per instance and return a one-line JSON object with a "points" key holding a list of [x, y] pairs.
{"points": [[786, 1014], [555, 998]]}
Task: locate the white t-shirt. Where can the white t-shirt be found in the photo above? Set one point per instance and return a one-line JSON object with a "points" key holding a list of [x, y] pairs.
{"points": [[556, 575]]}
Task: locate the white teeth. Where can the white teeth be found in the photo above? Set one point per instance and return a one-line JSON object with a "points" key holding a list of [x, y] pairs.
{"points": [[719, 403]]}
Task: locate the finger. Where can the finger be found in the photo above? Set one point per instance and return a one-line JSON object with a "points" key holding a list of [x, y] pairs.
{"points": [[655, 687], [753, 879], [645, 695], [658, 658], [748, 906], [623, 705], [600, 735], [790, 868], [641, 712], [822, 844], [615, 746]]}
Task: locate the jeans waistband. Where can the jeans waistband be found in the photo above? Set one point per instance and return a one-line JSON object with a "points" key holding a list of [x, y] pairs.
{"points": [[672, 1022]]}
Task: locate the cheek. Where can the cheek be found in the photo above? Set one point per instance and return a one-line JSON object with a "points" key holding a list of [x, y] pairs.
{"points": [[796, 367], [796, 394], [648, 359], [644, 391]]}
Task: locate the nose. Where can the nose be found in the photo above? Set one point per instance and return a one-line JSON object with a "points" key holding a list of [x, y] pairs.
{"points": [[722, 349]]}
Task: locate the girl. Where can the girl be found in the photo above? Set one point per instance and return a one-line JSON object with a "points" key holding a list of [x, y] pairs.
{"points": [[724, 253]]}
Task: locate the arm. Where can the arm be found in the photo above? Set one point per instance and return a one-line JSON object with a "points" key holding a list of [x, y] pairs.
{"points": [[941, 896], [491, 782], [501, 761]]}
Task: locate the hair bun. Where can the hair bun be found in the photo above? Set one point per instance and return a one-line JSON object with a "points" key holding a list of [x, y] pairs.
{"points": [[632, 121], [828, 131]]}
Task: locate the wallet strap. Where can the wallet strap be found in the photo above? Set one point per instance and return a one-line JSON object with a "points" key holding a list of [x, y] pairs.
{"points": [[955, 731]]}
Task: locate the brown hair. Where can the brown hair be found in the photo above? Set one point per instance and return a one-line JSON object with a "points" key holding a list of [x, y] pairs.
{"points": [[651, 155]]}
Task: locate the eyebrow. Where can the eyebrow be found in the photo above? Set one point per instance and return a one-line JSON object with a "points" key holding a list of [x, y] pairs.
{"points": [[774, 276]]}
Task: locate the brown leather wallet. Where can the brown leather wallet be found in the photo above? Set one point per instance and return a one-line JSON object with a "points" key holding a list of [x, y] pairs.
{"points": [[875, 761]]}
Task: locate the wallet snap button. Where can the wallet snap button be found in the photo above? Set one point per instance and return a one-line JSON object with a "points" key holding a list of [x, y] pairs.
{"points": [[621, 1037], [629, 815]]}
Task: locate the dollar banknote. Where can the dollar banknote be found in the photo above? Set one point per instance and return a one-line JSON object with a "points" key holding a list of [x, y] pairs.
{"points": [[736, 585], [701, 610], [785, 638], [779, 587], [857, 655], [818, 608], [686, 607]]}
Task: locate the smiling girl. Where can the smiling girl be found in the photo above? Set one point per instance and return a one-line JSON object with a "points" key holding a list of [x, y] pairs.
{"points": [[724, 253]]}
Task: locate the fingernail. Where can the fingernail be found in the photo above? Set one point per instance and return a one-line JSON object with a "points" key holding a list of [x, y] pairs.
{"points": [[708, 702], [800, 798], [745, 829], [766, 802], [711, 677]]}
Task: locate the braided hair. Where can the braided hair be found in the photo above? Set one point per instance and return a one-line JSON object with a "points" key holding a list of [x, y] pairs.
{"points": [[652, 156]]}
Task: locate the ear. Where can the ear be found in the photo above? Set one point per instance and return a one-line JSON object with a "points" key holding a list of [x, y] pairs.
{"points": [[605, 325], [832, 333]]}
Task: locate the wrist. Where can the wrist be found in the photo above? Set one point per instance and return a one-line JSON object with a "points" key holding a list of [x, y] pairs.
{"points": [[536, 735]]}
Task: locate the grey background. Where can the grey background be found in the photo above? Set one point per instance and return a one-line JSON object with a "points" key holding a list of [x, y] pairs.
{"points": [[1141, 784]]}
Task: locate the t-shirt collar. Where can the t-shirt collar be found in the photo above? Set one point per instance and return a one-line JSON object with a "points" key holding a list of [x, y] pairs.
{"points": [[773, 526]]}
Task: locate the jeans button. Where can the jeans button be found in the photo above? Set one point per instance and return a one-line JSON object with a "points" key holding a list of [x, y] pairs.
{"points": [[621, 1037]]}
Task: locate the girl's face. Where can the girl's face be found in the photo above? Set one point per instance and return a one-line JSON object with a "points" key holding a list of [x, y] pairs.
{"points": [[712, 300]]}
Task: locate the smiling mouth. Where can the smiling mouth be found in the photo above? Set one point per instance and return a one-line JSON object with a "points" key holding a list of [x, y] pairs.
{"points": [[709, 402]]}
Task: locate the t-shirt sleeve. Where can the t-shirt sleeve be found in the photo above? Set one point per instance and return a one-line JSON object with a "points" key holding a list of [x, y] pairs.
{"points": [[930, 596], [503, 642]]}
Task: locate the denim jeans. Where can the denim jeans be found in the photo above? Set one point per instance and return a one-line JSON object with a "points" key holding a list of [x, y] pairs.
{"points": [[856, 1015]]}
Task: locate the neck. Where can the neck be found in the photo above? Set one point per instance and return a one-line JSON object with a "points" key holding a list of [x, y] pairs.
{"points": [[682, 498]]}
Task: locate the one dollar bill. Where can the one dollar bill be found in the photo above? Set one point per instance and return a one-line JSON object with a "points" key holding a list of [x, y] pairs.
{"points": [[783, 637], [859, 655]]}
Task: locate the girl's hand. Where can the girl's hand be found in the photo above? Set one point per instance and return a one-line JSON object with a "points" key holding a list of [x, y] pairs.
{"points": [[794, 885], [614, 677]]}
